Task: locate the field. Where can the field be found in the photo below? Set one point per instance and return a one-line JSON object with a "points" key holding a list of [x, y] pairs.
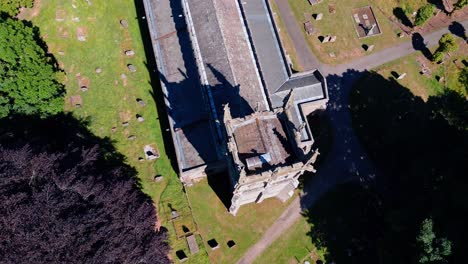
{"points": [[214, 222], [111, 97], [341, 24], [425, 86], [294, 247]]}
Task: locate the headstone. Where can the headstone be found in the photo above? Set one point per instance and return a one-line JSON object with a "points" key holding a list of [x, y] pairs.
{"points": [[129, 52], [124, 23], [84, 88], [333, 39], [319, 16], [401, 76], [332, 8], [213, 244], [123, 76], [141, 159], [141, 102], [441, 79], [113, 129], [61, 52], [131, 137], [174, 214], [76, 19], [370, 48], [332, 55], [140, 118], [193, 245], [181, 255], [326, 39], [131, 68], [78, 105], [158, 178], [125, 124], [150, 153], [98, 70], [81, 34], [231, 243]]}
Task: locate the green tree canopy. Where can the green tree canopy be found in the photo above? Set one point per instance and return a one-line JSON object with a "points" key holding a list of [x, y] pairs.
{"points": [[461, 3], [447, 43], [433, 250], [424, 13], [12, 7], [28, 76]]}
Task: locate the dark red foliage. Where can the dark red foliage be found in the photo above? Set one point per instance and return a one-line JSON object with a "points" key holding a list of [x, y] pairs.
{"points": [[73, 204]]}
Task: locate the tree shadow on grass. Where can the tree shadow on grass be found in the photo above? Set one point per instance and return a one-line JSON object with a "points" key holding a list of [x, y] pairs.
{"points": [[401, 15], [71, 196]]}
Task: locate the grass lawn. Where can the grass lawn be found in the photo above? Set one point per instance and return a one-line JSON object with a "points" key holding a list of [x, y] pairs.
{"points": [[286, 41], [293, 247], [111, 99], [422, 85], [245, 228], [408, 6], [341, 24]]}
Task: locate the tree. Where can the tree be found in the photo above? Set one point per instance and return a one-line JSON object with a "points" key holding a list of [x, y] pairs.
{"points": [[424, 13], [461, 3], [433, 250], [11, 7], [28, 76], [463, 78], [67, 196], [447, 43]]}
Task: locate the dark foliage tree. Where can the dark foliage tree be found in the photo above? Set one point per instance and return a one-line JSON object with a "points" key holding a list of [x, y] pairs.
{"points": [[67, 196], [421, 147], [11, 7], [28, 75]]}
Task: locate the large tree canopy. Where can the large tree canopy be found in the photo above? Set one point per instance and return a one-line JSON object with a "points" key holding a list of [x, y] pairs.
{"points": [[11, 7], [68, 197], [28, 76]]}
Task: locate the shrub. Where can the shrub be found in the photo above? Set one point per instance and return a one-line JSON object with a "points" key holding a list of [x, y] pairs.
{"points": [[424, 13]]}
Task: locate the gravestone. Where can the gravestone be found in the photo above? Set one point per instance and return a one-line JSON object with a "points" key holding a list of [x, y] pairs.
{"points": [[181, 255], [370, 48], [76, 19], [193, 245], [231, 243], [124, 23], [140, 118], [113, 129], [332, 39], [141, 159], [319, 16], [174, 214], [84, 88], [123, 76], [98, 70], [158, 178], [326, 39], [140, 102], [129, 52], [131, 137], [213, 244], [401, 76], [61, 52], [131, 68], [150, 153], [125, 124], [332, 55]]}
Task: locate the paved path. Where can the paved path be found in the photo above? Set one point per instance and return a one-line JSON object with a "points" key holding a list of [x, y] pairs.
{"points": [[380, 57], [346, 161], [304, 56]]}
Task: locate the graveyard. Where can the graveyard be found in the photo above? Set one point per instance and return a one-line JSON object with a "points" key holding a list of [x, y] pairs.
{"points": [[336, 34], [424, 78], [110, 84]]}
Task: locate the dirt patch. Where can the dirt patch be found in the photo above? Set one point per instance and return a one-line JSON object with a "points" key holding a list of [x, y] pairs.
{"points": [[81, 33], [60, 14], [63, 32], [83, 82], [30, 13], [76, 100], [125, 116]]}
